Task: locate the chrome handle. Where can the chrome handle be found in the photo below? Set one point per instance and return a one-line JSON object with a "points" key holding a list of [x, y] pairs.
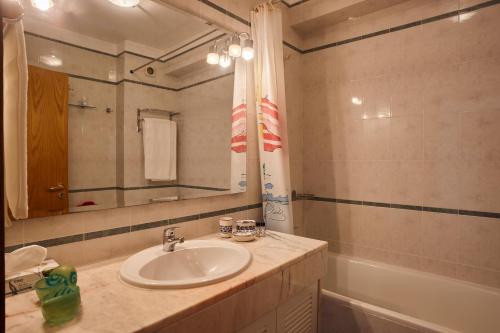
{"points": [[169, 232], [59, 187]]}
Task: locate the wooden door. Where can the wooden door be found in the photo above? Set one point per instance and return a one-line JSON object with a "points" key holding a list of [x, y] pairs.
{"points": [[47, 142]]}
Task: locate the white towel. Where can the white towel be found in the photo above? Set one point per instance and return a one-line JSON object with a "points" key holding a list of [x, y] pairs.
{"points": [[15, 73], [160, 149]]}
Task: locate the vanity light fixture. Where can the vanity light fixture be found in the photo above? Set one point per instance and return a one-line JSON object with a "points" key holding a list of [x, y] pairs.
{"points": [[42, 5], [125, 3], [233, 50]]}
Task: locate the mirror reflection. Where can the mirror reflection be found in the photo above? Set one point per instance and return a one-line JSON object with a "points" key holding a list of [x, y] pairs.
{"points": [[123, 108]]}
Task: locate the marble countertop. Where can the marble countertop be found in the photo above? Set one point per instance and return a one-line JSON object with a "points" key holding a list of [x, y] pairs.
{"points": [[110, 305]]}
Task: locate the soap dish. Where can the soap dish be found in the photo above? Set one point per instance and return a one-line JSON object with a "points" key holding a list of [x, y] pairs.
{"points": [[244, 236]]}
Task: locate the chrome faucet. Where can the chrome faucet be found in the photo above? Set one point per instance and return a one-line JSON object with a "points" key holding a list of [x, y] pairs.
{"points": [[170, 240]]}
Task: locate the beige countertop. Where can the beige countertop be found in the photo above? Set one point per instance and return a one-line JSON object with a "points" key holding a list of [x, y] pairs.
{"points": [[110, 305]]}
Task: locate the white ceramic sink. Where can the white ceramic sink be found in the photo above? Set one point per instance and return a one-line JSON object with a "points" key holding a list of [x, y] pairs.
{"points": [[193, 263]]}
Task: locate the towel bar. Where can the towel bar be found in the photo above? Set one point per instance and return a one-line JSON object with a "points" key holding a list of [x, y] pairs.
{"points": [[169, 113]]}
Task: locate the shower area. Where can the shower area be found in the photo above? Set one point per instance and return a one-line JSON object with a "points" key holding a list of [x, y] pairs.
{"points": [[394, 125]]}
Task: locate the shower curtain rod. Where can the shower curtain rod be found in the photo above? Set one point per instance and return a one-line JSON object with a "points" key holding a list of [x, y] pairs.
{"points": [[132, 71]]}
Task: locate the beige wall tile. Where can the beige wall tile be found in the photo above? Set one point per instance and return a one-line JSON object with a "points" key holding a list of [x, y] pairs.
{"points": [[478, 83], [53, 227], [440, 236], [480, 23], [480, 242], [441, 183], [406, 138], [406, 231], [480, 135], [480, 185], [14, 234], [377, 180], [348, 180], [406, 184], [441, 135], [481, 276]]}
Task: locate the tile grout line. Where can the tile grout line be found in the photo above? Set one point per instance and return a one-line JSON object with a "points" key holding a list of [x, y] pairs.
{"points": [[131, 228], [441, 210]]}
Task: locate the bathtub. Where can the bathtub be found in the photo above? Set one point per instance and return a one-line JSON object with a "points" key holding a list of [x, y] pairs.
{"points": [[364, 296]]}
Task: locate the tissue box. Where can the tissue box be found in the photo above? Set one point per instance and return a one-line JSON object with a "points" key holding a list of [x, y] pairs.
{"points": [[24, 281]]}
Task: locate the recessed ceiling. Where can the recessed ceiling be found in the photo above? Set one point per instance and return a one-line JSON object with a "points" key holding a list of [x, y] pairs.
{"points": [[150, 23]]}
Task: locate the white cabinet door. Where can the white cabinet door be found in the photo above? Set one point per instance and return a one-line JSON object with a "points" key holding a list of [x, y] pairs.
{"points": [[265, 324], [299, 314]]}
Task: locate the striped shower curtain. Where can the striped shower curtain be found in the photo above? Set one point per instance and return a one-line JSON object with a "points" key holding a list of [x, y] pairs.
{"points": [[271, 117], [239, 128]]}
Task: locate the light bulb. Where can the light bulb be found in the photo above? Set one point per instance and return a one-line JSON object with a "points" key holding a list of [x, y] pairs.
{"points": [[247, 53], [125, 3], [234, 47], [42, 4], [248, 50], [212, 56], [225, 61]]}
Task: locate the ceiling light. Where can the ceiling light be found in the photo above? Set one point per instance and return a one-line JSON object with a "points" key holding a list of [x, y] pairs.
{"points": [[42, 4], [125, 3], [50, 60], [212, 56], [235, 47], [225, 60]]}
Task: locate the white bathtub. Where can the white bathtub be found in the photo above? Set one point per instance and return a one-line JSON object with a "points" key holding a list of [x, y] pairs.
{"points": [[365, 296]]}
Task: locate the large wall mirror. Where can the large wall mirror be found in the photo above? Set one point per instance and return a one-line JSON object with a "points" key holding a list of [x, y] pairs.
{"points": [[109, 124]]}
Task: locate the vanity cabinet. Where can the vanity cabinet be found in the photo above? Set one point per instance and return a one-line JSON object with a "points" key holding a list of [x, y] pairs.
{"points": [[297, 315]]}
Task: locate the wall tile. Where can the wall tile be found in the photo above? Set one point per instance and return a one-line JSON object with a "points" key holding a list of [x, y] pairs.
{"points": [[406, 184], [441, 135], [480, 185], [480, 242], [441, 183], [480, 135], [478, 82], [440, 236], [377, 180], [406, 230], [406, 138], [480, 23], [477, 275], [348, 180]]}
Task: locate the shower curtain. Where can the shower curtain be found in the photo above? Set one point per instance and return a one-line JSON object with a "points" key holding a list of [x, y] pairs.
{"points": [[239, 128], [15, 76], [271, 117]]}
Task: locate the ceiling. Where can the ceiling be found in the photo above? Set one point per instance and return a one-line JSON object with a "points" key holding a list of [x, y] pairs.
{"points": [[150, 23], [293, 2]]}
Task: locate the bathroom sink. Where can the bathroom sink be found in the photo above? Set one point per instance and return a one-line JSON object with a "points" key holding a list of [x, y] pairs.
{"points": [[193, 263]]}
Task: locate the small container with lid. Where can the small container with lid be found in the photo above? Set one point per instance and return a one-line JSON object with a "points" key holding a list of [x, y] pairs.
{"points": [[226, 227]]}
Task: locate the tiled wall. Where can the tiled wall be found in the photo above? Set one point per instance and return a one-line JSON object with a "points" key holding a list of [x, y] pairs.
{"points": [[401, 137], [205, 126]]}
